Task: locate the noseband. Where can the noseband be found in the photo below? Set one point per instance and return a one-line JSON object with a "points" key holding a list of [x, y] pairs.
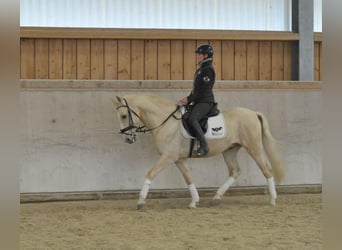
{"points": [[131, 129]]}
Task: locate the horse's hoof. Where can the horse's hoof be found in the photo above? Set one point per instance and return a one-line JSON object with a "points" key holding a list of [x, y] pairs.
{"points": [[273, 202], [141, 206], [215, 202], [193, 205]]}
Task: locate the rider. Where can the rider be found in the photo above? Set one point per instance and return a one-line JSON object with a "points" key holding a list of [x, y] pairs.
{"points": [[201, 96]]}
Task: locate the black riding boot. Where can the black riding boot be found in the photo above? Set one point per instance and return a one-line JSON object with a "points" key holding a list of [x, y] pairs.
{"points": [[203, 149]]}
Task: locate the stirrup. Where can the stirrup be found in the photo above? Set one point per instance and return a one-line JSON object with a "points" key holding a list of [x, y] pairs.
{"points": [[202, 152]]}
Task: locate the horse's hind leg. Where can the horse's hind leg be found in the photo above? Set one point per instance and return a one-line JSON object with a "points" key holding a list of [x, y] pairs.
{"points": [[259, 155], [192, 188], [229, 157]]}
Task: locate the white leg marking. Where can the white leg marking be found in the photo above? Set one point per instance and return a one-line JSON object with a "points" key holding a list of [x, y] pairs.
{"points": [[224, 188], [272, 190], [144, 191], [194, 196]]}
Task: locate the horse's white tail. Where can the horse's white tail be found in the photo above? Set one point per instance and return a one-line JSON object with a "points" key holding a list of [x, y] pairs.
{"points": [[271, 148]]}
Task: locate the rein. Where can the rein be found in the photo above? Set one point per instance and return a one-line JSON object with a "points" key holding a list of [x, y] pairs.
{"points": [[141, 129]]}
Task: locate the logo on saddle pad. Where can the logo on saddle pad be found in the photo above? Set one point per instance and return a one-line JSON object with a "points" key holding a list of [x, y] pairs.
{"points": [[216, 128]]}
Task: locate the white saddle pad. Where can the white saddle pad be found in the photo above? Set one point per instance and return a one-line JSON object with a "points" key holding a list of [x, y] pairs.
{"points": [[216, 128]]}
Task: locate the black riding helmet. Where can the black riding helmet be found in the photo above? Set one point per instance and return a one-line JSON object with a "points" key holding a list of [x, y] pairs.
{"points": [[205, 49]]}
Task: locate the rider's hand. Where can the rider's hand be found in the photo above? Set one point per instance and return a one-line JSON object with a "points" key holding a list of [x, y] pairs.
{"points": [[184, 101]]}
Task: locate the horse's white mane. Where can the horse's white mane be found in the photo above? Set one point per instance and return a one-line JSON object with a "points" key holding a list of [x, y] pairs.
{"points": [[144, 98]]}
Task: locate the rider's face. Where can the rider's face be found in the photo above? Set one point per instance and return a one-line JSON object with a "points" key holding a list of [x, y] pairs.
{"points": [[200, 57]]}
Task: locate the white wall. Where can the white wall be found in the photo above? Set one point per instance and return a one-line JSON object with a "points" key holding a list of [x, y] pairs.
{"points": [[71, 143], [189, 14]]}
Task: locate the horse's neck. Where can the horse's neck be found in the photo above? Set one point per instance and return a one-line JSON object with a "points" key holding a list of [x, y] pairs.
{"points": [[153, 112]]}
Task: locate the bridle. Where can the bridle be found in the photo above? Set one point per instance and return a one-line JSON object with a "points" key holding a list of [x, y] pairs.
{"points": [[131, 129]]}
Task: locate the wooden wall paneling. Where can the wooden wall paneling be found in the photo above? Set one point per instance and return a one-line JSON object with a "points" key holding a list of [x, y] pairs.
{"points": [[177, 63], [49, 53], [110, 59], [200, 42], [151, 66], [83, 59], [27, 61], [164, 60], [217, 63], [287, 60], [124, 59], [97, 59], [42, 59], [253, 60], [189, 59], [228, 67], [55, 59], [240, 58], [69, 59], [277, 60], [265, 60], [137, 60], [317, 61]]}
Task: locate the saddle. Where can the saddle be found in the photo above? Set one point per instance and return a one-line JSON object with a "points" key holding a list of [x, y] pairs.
{"points": [[212, 124]]}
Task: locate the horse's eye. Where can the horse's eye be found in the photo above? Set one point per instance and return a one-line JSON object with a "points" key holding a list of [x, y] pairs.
{"points": [[123, 116]]}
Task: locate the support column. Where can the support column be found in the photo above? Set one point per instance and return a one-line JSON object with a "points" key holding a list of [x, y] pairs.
{"points": [[303, 51]]}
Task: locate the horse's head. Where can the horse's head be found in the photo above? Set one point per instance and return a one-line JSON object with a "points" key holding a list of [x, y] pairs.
{"points": [[128, 118]]}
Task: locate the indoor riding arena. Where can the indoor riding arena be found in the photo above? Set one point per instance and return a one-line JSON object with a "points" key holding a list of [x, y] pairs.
{"points": [[80, 181]]}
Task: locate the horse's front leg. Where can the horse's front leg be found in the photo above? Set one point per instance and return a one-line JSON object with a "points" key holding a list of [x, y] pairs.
{"points": [[163, 161], [192, 188]]}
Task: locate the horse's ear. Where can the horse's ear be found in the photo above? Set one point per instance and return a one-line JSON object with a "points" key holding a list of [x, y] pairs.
{"points": [[116, 101]]}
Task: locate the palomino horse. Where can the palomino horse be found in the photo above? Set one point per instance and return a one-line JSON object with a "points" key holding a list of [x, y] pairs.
{"points": [[245, 128]]}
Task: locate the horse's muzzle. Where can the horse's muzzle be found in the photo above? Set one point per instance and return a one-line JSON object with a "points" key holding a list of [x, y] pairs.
{"points": [[130, 139]]}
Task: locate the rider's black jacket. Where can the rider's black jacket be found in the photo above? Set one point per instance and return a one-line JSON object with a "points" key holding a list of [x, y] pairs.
{"points": [[204, 80]]}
